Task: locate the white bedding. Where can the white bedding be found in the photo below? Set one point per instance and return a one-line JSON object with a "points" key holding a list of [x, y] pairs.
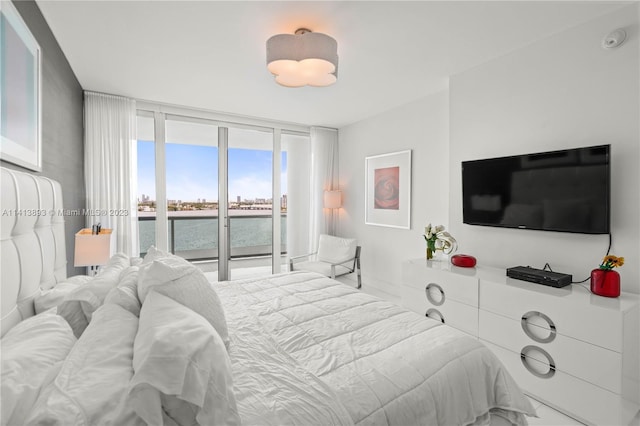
{"points": [[92, 384], [304, 350], [308, 350]]}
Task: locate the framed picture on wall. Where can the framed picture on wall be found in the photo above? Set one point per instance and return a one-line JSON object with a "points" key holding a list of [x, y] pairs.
{"points": [[20, 91], [388, 190]]}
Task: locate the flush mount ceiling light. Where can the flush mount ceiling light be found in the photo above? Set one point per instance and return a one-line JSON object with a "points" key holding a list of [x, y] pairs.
{"points": [[303, 58]]}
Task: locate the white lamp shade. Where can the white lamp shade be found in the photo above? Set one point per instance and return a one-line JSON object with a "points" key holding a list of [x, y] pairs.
{"points": [[332, 199], [303, 59], [92, 250]]}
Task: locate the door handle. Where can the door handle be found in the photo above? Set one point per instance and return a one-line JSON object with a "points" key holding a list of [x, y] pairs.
{"points": [[524, 323], [525, 361], [430, 312], [430, 298]]}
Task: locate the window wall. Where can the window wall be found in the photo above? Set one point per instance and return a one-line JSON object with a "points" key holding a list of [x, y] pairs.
{"points": [[186, 163]]}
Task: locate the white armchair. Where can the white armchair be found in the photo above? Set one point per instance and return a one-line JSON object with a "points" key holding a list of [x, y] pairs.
{"points": [[335, 257]]}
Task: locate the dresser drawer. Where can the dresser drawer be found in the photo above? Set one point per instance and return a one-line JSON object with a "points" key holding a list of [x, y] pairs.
{"points": [[571, 315], [447, 283], [456, 314], [596, 365], [588, 403]]}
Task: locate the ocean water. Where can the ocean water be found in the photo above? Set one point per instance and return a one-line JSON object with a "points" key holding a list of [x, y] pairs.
{"points": [[202, 234]]}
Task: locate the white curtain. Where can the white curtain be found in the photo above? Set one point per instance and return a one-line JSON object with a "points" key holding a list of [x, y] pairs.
{"points": [[324, 177], [110, 167]]}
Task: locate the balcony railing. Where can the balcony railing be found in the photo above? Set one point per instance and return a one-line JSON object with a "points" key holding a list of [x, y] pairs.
{"points": [[196, 237]]}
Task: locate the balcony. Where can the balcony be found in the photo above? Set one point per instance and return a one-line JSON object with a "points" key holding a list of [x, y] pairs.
{"points": [[195, 238]]}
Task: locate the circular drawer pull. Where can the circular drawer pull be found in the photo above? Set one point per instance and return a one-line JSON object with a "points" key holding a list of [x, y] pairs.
{"points": [[525, 362], [434, 314], [439, 301], [524, 322]]}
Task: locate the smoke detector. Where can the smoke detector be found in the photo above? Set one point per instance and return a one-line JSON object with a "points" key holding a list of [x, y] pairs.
{"points": [[614, 39]]}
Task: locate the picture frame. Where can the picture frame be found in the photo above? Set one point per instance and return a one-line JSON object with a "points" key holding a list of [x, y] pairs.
{"points": [[388, 190], [20, 91]]}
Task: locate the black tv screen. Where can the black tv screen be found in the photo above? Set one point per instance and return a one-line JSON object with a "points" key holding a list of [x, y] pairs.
{"points": [[564, 191]]}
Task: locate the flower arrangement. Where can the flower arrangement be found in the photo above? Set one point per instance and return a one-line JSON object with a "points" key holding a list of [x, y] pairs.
{"points": [[438, 239], [604, 280], [609, 262]]}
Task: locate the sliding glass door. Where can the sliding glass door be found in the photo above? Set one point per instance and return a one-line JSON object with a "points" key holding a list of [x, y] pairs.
{"points": [[217, 193], [146, 179], [191, 166], [251, 201]]}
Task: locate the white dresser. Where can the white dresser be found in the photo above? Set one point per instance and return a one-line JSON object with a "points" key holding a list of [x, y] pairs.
{"points": [[431, 289], [572, 350]]}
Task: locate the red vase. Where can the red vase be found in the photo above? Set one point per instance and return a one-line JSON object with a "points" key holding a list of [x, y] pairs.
{"points": [[605, 283]]}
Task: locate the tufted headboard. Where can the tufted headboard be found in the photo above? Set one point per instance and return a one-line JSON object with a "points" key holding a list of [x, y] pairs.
{"points": [[32, 242]]}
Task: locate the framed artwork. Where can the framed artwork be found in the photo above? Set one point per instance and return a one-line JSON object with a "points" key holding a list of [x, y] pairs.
{"points": [[20, 91], [388, 190]]}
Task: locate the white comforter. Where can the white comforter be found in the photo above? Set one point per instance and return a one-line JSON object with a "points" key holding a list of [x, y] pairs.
{"points": [[308, 350]]}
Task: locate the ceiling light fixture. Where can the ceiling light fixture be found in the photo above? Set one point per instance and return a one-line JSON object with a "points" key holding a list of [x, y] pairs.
{"points": [[303, 58]]}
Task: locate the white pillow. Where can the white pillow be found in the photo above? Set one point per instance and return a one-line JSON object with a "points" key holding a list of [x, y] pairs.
{"points": [[153, 253], [335, 249], [125, 293], [80, 304], [51, 298], [32, 352], [180, 280], [181, 367], [92, 384], [160, 271]]}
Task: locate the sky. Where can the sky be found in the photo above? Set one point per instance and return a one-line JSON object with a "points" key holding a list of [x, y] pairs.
{"points": [[192, 172]]}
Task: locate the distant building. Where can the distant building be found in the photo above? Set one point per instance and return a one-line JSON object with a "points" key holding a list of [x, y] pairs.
{"points": [[238, 199]]}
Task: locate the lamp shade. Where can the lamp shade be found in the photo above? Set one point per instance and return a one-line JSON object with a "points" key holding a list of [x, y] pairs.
{"points": [[332, 199], [92, 249], [303, 58]]}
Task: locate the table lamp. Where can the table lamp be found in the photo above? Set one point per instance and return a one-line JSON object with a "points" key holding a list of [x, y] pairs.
{"points": [[92, 250]]}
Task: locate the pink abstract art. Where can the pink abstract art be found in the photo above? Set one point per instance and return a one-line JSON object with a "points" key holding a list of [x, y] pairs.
{"points": [[387, 188]]}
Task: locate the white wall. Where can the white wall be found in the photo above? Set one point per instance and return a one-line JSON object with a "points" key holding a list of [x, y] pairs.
{"points": [[421, 126], [562, 92]]}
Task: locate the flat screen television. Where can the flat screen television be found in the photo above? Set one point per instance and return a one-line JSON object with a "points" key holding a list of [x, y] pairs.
{"points": [[564, 191]]}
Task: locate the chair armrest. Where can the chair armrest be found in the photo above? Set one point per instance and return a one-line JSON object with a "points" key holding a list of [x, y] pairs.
{"points": [[343, 262]]}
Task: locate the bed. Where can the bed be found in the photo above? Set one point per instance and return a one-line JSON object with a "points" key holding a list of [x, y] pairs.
{"points": [[151, 341]]}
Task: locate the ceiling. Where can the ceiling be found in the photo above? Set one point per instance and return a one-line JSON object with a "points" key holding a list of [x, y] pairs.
{"points": [[211, 54]]}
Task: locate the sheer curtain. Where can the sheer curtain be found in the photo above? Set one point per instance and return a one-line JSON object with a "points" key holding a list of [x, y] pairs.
{"points": [[109, 167], [324, 177]]}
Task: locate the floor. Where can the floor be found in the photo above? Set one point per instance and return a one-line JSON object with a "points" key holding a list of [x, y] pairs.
{"points": [[547, 416]]}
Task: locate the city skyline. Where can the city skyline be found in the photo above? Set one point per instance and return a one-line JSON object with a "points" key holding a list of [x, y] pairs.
{"points": [[144, 198], [192, 172]]}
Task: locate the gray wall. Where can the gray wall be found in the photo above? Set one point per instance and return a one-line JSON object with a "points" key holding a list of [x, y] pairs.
{"points": [[62, 130]]}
